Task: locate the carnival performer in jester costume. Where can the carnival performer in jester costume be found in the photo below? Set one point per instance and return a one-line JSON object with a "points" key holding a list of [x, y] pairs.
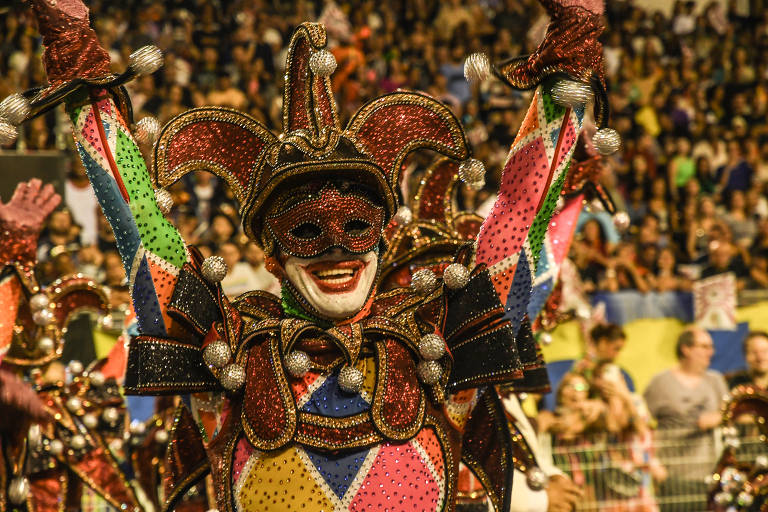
{"points": [[338, 395]]}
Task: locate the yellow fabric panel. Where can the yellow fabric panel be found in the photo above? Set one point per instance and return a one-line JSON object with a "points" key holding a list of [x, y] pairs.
{"points": [[103, 343]]}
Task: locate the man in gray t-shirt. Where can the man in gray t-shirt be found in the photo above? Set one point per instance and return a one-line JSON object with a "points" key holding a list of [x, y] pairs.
{"points": [[685, 401]]}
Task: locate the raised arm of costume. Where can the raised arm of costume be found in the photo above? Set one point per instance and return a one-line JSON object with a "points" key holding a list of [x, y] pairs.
{"points": [[79, 74], [563, 70], [21, 220]]}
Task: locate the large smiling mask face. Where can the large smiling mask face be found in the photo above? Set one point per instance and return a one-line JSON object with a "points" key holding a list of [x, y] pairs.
{"points": [[328, 242], [336, 284]]}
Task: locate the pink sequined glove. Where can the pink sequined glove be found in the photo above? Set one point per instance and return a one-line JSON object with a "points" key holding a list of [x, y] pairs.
{"points": [[21, 220]]}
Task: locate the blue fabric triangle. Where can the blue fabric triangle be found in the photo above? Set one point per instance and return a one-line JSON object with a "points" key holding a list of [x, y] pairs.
{"points": [[330, 400], [539, 298], [145, 302], [553, 135], [519, 294], [338, 471]]}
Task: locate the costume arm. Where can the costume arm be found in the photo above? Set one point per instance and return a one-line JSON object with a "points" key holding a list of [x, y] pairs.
{"points": [[21, 220], [151, 248]]}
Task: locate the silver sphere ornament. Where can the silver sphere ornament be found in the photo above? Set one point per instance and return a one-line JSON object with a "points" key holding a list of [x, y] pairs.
{"points": [[14, 109], [560, 204], [46, 344], [456, 276], [97, 378], [350, 379], [162, 436], [536, 478], [18, 490], [472, 171], [621, 220], [404, 215], [568, 93], [607, 141], [146, 60], [43, 317], [431, 347], [477, 67], [90, 420], [545, 338], [214, 269], [75, 367], [298, 363], [477, 185], [8, 133], [217, 354], [146, 130], [423, 281], [110, 415], [77, 442], [38, 301], [322, 63], [745, 499], [723, 498], [74, 404], [137, 427], [56, 447], [429, 372], [164, 200], [232, 377], [35, 437]]}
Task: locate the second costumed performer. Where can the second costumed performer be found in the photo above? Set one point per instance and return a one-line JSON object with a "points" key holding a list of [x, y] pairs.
{"points": [[335, 396]]}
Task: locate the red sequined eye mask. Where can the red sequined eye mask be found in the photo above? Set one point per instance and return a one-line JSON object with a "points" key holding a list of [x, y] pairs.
{"points": [[311, 227]]}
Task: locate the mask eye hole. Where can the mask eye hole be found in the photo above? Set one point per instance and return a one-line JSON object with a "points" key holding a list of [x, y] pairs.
{"points": [[357, 227], [306, 231]]}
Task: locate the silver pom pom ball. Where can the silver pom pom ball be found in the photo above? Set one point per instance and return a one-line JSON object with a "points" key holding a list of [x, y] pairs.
{"points": [[161, 436], [403, 215], [90, 420], [545, 338], [38, 301], [297, 363], [56, 447], [423, 281], [97, 378], [472, 171], [146, 130], [18, 490], [77, 442], [217, 354], [723, 498], [232, 377], [350, 379], [110, 415], [214, 269], [536, 478], [43, 317], [146, 60], [8, 133], [75, 367], [477, 67], [74, 404], [46, 344], [431, 347], [14, 109], [607, 141], [621, 220], [429, 372], [456, 276], [568, 93], [322, 63]]}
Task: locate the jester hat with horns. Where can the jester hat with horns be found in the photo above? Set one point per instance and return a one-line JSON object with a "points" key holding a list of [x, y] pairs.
{"points": [[280, 180]]}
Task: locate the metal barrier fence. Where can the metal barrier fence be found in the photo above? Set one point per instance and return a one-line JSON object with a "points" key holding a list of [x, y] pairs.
{"points": [[664, 470]]}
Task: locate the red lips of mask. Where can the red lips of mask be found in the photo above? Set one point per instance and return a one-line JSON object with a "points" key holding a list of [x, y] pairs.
{"points": [[311, 227]]}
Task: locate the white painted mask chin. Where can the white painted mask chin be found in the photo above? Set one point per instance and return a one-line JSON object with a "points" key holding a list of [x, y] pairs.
{"points": [[337, 283]]}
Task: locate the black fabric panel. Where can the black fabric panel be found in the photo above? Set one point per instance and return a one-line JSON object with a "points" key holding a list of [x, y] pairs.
{"points": [[194, 301], [157, 366], [466, 304], [488, 358]]}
